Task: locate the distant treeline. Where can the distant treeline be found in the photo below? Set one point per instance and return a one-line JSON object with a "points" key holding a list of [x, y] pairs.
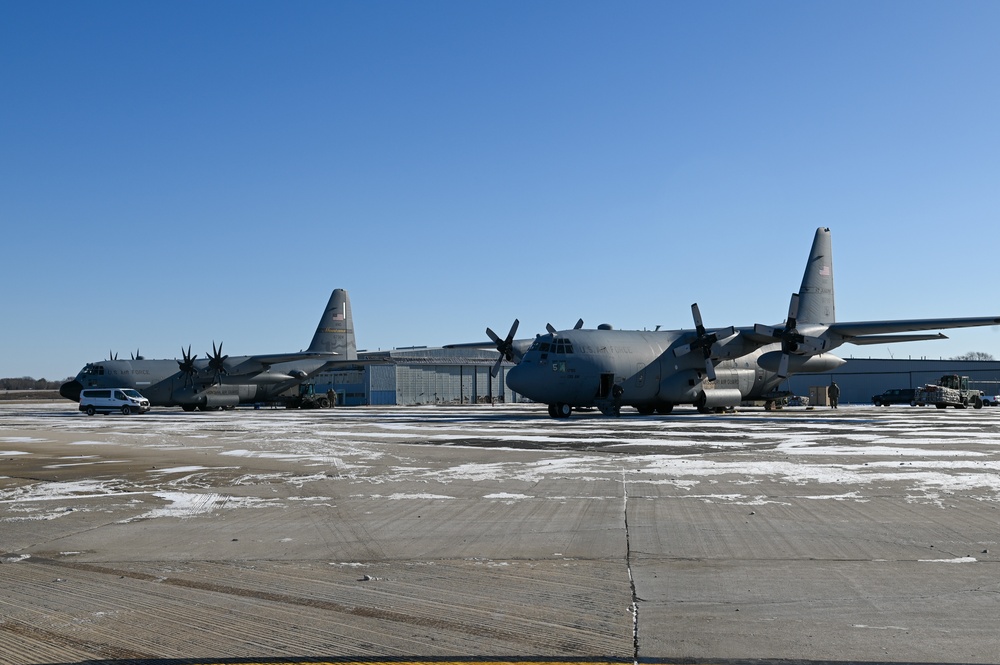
{"points": [[28, 383]]}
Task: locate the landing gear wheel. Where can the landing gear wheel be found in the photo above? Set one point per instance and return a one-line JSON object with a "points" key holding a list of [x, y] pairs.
{"points": [[563, 410], [126, 411], [664, 409], [188, 407], [645, 410]]}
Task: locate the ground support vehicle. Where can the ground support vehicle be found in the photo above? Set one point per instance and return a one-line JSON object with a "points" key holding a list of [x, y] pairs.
{"points": [[895, 396], [308, 398], [950, 390], [110, 400]]}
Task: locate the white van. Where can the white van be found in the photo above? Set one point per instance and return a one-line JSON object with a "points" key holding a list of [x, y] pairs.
{"points": [[109, 400]]}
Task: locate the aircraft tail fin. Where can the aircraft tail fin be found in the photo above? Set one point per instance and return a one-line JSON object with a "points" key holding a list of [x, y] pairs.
{"points": [[816, 302], [335, 332]]}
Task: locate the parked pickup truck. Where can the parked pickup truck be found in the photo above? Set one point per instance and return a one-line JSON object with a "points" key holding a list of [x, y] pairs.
{"points": [[894, 396]]}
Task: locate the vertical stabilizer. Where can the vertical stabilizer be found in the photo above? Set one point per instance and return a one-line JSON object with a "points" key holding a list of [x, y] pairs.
{"points": [[335, 332], [816, 303]]}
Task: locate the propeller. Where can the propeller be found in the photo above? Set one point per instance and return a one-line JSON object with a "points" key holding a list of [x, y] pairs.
{"points": [[217, 361], [792, 341], [704, 341], [504, 346], [112, 356], [187, 364], [552, 330], [136, 356]]}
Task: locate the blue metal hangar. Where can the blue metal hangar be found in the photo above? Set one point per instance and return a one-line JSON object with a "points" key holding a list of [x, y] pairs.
{"points": [[860, 379], [421, 375]]}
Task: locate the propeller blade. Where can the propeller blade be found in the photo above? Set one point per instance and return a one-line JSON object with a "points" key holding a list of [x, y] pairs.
{"points": [[504, 346], [548, 326], [793, 311], [579, 324], [705, 341], [767, 331], [698, 325], [783, 366], [725, 333], [217, 361], [709, 369], [512, 331], [812, 345]]}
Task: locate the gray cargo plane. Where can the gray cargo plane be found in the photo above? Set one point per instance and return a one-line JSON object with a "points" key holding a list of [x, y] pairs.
{"points": [[710, 368], [220, 381]]}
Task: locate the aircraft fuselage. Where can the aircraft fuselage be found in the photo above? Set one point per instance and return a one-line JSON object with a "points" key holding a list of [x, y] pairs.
{"points": [[613, 368], [163, 384]]}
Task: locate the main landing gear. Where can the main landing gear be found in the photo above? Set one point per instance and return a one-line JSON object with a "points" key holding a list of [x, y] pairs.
{"points": [[560, 410]]}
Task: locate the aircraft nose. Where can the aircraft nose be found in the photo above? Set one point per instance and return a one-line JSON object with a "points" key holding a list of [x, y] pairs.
{"points": [[517, 379], [71, 390]]}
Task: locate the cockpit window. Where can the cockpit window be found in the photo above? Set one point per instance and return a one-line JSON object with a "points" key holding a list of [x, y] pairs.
{"points": [[549, 345], [90, 370], [562, 346]]}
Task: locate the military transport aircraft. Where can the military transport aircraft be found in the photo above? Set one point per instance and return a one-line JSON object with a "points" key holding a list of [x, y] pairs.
{"points": [[223, 381], [710, 368]]}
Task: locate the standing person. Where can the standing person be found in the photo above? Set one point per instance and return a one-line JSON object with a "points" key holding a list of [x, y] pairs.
{"points": [[834, 393], [331, 397]]}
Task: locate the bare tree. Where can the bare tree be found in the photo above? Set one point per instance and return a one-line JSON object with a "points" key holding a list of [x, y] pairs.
{"points": [[974, 355]]}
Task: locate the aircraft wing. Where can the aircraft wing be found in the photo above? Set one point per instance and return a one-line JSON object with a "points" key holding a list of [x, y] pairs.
{"points": [[892, 339], [520, 346], [861, 331], [471, 345]]}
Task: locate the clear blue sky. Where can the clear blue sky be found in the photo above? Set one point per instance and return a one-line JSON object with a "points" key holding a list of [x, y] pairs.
{"points": [[178, 173]]}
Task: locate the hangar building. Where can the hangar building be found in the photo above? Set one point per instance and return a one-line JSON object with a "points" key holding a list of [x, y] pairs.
{"points": [[862, 378], [421, 375]]}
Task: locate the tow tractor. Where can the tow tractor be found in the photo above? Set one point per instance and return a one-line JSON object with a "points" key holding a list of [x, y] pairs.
{"points": [[950, 390], [308, 398]]}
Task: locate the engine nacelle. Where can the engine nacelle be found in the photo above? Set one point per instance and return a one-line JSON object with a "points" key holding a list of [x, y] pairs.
{"points": [[215, 401], [719, 398], [822, 362], [265, 378]]}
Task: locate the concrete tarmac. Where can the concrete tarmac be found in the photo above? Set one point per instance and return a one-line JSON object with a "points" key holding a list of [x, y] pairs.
{"points": [[498, 534]]}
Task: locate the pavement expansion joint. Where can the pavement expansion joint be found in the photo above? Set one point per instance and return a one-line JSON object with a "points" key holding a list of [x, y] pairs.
{"points": [[631, 580]]}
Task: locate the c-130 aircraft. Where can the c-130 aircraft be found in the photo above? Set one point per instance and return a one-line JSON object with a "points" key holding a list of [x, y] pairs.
{"points": [[712, 369], [220, 381]]}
